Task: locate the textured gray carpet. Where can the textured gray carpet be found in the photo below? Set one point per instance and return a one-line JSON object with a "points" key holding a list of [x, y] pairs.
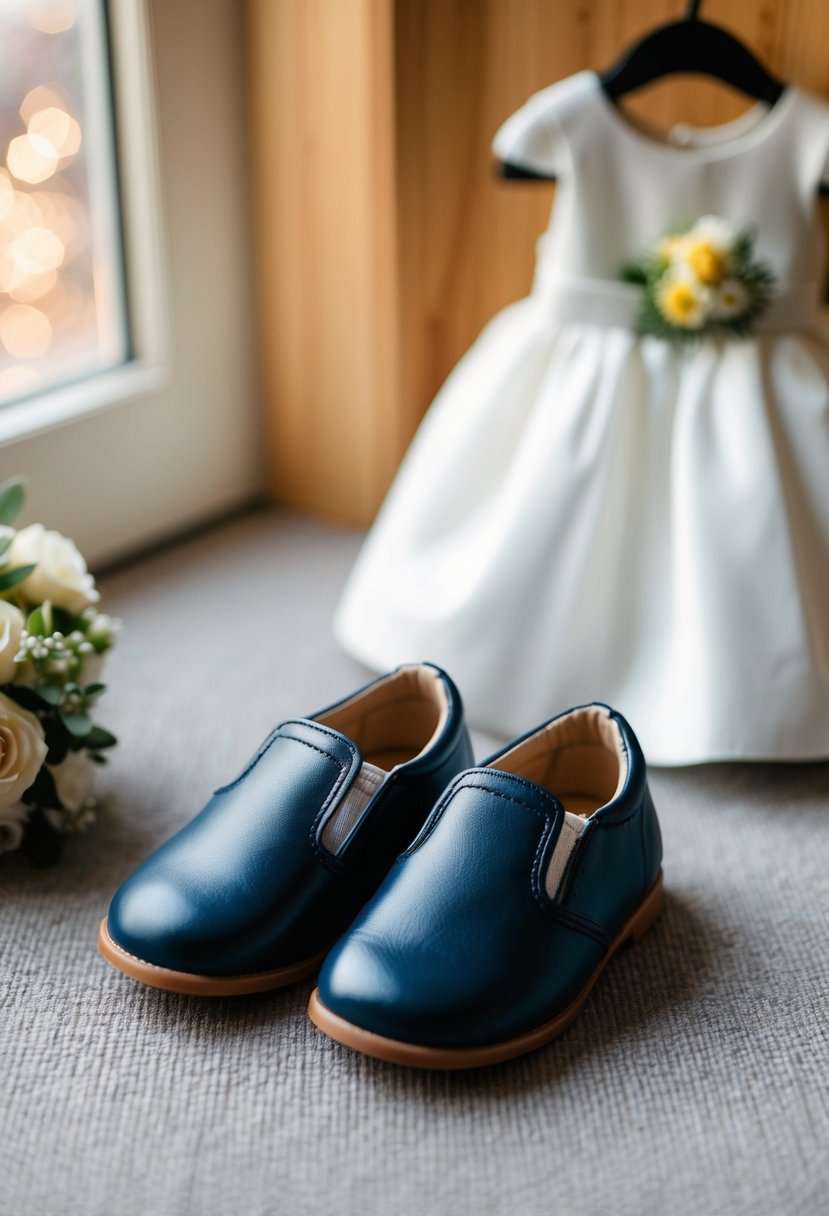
{"points": [[696, 1081]]}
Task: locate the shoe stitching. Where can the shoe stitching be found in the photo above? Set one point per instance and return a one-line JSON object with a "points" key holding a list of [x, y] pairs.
{"points": [[324, 856], [579, 924], [257, 756], [548, 822], [571, 920], [459, 784]]}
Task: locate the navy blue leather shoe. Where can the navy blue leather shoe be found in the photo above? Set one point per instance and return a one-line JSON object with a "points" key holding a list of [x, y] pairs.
{"points": [[487, 935], [251, 894]]}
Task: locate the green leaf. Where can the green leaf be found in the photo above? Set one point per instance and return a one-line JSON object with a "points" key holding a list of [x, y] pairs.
{"points": [[10, 578], [633, 272], [98, 739], [50, 693], [12, 497], [39, 622], [92, 690], [78, 725], [4, 544]]}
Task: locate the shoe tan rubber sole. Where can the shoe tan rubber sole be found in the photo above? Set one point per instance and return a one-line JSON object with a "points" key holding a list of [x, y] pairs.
{"points": [[417, 1056], [202, 985]]}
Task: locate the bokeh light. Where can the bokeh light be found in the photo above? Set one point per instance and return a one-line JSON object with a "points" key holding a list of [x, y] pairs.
{"points": [[41, 97], [25, 331], [18, 380], [31, 158], [52, 16], [53, 259], [60, 130]]}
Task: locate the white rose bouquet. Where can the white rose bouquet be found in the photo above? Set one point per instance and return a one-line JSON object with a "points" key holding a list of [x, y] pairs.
{"points": [[53, 642]]}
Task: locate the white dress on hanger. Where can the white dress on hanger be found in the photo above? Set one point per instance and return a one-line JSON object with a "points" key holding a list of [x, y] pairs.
{"points": [[590, 514]]}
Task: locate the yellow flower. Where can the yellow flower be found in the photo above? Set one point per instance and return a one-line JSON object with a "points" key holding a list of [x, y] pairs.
{"points": [[709, 262], [682, 302]]}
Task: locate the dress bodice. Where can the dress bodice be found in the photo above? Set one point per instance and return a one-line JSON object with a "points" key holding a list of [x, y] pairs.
{"points": [[621, 189]]}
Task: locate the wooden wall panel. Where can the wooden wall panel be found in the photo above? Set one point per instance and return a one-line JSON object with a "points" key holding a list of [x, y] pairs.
{"points": [[324, 219], [386, 241]]}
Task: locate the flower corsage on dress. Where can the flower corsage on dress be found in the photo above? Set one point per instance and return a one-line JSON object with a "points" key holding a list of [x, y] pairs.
{"points": [[700, 280], [53, 642]]}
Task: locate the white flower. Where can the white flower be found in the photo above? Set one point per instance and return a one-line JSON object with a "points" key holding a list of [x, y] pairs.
{"points": [[12, 822], [60, 573], [731, 299], [103, 630], [718, 231], [22, 750], [12, 624], [74, 780]]}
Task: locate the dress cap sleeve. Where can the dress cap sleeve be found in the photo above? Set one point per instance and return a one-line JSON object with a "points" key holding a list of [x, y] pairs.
{"points": [[531, 138]]}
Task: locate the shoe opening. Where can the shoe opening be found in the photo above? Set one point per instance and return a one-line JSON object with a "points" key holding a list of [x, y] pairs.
{"points": [[392, 722], [396, 719], [579, 758]]}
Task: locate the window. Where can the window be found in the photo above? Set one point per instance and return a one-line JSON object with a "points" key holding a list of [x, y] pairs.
{"points": [[62, 297]]}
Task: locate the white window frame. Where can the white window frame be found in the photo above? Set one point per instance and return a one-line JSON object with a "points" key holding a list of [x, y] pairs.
{"points": [[147, 287]]}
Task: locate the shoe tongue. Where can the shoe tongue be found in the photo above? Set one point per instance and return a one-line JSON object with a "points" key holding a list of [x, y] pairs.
{"points": [[572, 825]]}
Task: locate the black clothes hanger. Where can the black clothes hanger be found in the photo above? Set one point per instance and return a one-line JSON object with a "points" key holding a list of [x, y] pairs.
{"points": [[687, 45], [691, 45]]}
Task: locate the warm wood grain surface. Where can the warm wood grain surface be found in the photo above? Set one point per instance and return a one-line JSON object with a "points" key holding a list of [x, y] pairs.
{"points": [[324, 216]]}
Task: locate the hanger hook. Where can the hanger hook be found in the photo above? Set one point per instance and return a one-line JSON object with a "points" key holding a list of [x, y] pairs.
{"points": [[692, 11]]}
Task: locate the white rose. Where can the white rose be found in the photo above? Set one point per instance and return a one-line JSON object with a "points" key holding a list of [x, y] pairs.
{"points": [[12, 623], [60, 573], [22, 750], [12, 822], [74, 779]]}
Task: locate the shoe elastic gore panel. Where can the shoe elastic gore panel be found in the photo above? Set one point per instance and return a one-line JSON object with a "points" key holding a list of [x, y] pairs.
{"points": [[581, 759], [392, 722]]}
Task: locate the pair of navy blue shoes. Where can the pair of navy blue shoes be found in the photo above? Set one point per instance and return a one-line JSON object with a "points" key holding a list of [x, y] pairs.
{"points": [[460, 914]]}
